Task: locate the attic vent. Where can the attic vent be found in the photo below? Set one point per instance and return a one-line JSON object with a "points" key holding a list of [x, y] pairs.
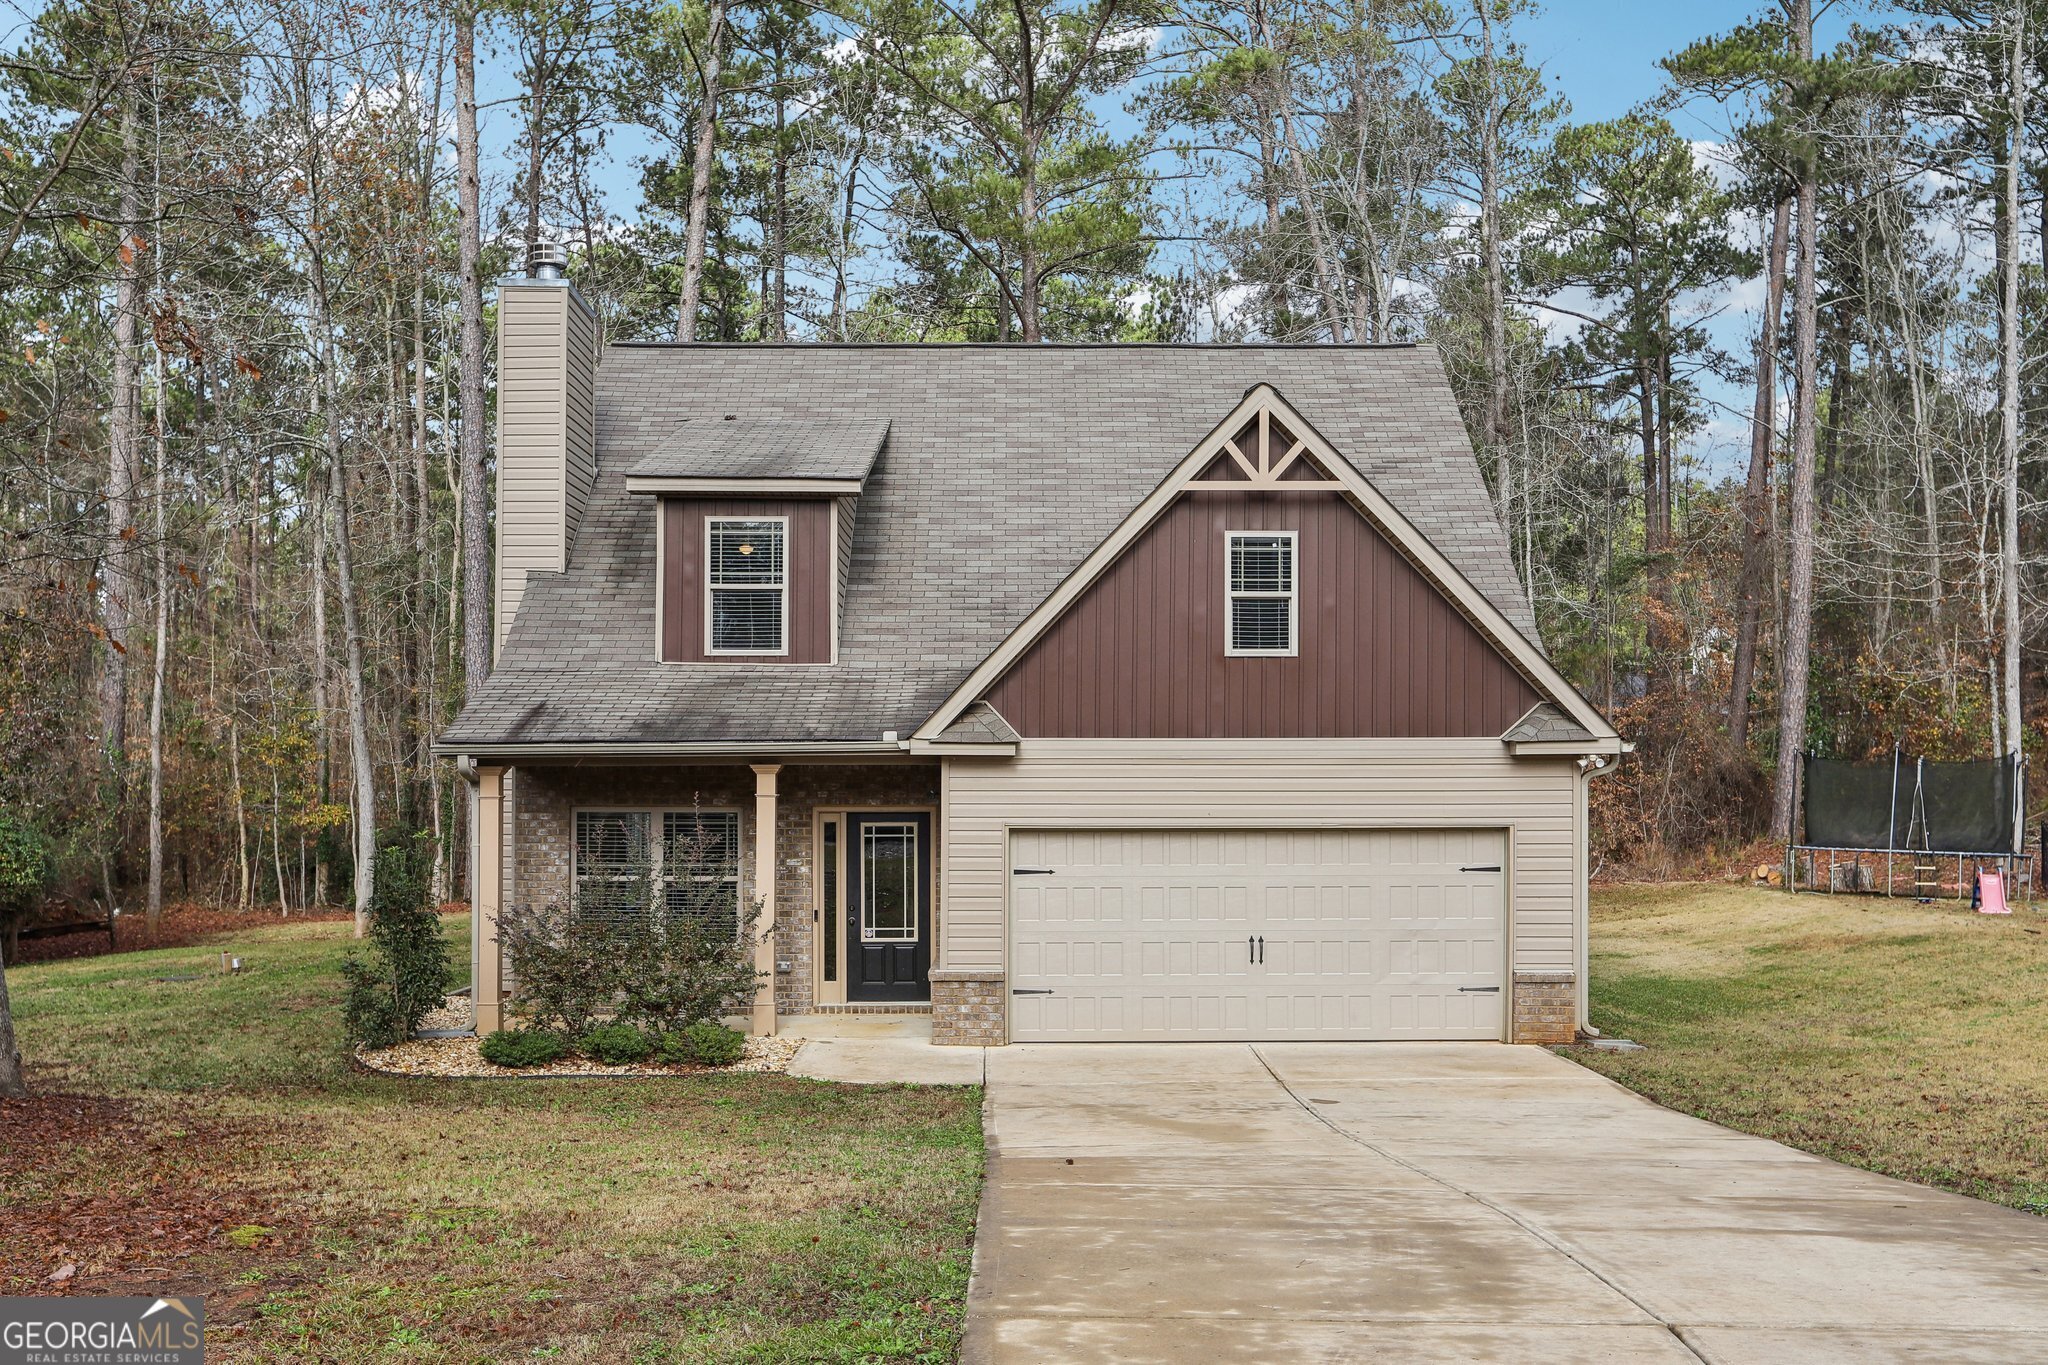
{"points": [[748, 583]]}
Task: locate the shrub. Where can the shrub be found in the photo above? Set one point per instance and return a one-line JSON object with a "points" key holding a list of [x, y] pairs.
{"points": [[616, 1045], [658, 954], [710, 1043], [522, 1047], [405, 975], [26, 867]]}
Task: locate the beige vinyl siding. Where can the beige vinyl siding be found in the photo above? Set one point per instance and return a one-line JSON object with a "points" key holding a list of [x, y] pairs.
{"points": [[547, 355], [1269, 784]]}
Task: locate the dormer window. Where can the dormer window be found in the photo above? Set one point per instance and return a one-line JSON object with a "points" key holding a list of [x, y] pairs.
{"points": [[747, 582], [1262, 594]]}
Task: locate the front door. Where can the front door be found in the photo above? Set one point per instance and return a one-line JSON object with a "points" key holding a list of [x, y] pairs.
{"points": [[888, 905]]}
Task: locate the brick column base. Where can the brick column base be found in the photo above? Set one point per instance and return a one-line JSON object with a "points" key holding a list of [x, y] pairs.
{"points": [[970, 1007], [1546, 1007]]}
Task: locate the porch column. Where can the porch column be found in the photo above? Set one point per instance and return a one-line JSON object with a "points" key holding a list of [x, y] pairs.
{"points": [[486, 986], [764, 888]]}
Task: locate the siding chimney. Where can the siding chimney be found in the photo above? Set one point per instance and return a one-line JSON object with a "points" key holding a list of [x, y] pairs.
{"points": [[547, 425]]}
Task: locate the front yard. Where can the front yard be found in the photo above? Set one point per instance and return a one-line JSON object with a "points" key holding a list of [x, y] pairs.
{"points": [[1909, 1039], [205, 1133]]}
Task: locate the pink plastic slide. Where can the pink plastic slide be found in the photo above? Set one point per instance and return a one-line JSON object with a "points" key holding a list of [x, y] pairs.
{"points": [[1992, 884]]}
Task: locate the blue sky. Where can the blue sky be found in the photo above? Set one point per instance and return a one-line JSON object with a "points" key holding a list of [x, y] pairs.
{"points": [[1601, 55]]}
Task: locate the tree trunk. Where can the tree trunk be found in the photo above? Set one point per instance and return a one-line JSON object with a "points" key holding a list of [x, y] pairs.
{"points": [[160, 655], [1494, 324], [1756, 492], [536, 114], [476, 548], [2011, 358], [355, 677], [1796, 651], [700, 174], [117, 576], [779, 220], [11, 1086]]}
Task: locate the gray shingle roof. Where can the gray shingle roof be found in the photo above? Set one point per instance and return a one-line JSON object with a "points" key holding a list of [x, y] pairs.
{"points": [[765, 448], [980, 723], [1545, 723], [1002, 468]]}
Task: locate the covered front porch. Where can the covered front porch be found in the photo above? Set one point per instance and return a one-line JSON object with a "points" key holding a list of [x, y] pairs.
{"points": [[840, 857]]}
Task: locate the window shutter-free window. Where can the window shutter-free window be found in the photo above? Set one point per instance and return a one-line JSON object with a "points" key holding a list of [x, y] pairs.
{"points": [[631, 862], [1262, 593], [747, 581]]}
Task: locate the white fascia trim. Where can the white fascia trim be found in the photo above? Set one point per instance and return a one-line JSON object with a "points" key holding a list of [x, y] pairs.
{"points": [[1424, 555], [765, 752], [1607, 746], [643, 483], [928, 746]]}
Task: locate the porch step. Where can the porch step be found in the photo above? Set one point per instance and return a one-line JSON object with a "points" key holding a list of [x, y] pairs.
{"points": [[876, 1007]]}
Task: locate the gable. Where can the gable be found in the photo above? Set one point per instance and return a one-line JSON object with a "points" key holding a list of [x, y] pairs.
{"points": [[1382, 652]]}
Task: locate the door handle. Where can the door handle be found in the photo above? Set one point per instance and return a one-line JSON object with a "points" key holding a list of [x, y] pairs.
{"points": [[1251, 954], [1262, 950]]}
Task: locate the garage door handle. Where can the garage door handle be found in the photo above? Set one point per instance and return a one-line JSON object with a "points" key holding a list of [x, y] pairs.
{"points": [[1481, 867], [1480, 990], [1022, 991]]}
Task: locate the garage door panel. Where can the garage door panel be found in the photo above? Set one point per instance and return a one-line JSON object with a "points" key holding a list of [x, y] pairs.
{"points": [[1367, 934]]}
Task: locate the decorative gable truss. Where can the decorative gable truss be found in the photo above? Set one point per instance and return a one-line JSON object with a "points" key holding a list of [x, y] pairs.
{"points": [[1265, 445]]}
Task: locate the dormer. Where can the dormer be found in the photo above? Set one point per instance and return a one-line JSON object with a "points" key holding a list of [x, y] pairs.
{"points": [[754, 531]]}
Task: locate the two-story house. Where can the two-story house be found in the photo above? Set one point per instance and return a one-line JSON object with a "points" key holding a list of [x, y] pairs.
{"points": [[1070, 692]]}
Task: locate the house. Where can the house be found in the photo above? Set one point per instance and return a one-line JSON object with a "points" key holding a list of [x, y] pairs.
{"points": [[1068, 692]]}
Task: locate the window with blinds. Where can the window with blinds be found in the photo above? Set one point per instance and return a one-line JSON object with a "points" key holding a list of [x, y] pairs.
{"points": [[630, 862], [1262, 593], [747, 582]]}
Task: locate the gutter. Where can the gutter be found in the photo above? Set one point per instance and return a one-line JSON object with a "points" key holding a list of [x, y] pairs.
{"points": [[763, 751]]}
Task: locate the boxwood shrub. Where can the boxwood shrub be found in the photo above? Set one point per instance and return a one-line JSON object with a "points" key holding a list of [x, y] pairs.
{"points": [[710, 1043], [616, 1045], [523, 1047]]}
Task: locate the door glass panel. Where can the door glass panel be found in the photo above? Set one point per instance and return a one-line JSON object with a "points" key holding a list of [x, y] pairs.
{"points": [[888, 883], [829, 921]]}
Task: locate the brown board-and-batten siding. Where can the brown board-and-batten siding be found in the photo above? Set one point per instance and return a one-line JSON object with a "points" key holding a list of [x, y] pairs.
{"points": [[809, 567], [1383, 654]]}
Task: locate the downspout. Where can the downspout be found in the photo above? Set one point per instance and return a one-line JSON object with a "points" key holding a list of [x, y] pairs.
{"points": [[466, 769], [1590, 767]]}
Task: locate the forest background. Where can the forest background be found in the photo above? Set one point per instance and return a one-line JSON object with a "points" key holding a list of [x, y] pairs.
{"points": [[1741, 309]]}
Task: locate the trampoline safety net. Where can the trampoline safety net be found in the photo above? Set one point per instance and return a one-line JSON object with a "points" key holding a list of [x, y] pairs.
{"points": [[1962, 807]]}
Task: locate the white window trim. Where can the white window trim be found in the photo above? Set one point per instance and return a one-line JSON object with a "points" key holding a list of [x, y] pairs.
{"points": [[1292, 596], [916, 893], [658, 851], [711, 652]]}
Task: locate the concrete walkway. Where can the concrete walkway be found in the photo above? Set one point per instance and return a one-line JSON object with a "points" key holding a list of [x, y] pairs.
{"points": [[1451, 1202], [878, 1049]]}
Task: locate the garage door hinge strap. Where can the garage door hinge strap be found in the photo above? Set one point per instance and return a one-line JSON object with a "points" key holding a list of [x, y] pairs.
{"points": [[1481, 867], [1022, 991], [1480, 990], [1030, 872]]}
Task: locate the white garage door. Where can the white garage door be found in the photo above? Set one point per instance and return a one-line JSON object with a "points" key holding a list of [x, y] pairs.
{"points": [[1144, 935]]}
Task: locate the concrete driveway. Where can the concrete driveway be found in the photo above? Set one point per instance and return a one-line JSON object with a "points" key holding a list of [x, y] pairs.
{"points": [[1407, 1202]]}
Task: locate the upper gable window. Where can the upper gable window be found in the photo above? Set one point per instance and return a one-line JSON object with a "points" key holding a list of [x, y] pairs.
{"points": [[747, 583], [1262, 594]]}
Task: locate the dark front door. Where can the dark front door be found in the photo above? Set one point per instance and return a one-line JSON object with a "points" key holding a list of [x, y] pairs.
{"points": [[888, 905]]}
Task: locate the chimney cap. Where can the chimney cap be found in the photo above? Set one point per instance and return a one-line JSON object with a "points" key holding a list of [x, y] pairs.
{"points": [[546, 261]]}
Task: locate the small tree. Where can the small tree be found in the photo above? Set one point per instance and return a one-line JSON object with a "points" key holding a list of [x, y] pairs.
{"points": [[25, 868], [405, 976]]}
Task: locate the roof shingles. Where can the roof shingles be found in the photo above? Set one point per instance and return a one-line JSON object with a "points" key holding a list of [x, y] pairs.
{"points": [[1002, 467]]}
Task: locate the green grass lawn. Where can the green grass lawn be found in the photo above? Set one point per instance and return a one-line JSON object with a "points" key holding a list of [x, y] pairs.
{"points": [[213, 1138], [1909, 1039]]}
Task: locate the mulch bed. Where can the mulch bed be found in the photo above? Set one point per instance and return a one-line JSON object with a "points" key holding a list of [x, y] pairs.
{"points": [[100, 1195]]}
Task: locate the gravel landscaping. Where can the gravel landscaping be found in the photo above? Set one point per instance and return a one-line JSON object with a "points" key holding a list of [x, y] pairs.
{"points": [[458, 1058]]}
